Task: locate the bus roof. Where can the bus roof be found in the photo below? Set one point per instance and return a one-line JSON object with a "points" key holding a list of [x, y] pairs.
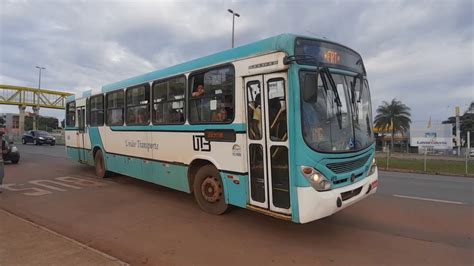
{"points": [[283, 42]]}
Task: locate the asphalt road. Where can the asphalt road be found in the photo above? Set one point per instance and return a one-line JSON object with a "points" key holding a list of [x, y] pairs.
{"points": [[412, 220]]}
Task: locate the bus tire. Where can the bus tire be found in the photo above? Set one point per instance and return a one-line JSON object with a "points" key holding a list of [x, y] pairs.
{"points": [[99, 164], [209, 190]]}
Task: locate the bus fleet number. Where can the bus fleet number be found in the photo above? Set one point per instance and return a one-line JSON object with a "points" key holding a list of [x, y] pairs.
{"points": [[200, 143]]}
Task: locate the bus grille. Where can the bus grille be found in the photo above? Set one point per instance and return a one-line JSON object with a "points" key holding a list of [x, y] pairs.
{"points": [[345, 167]]}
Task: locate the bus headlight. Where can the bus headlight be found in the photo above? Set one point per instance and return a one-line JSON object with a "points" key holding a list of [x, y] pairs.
{"points": [[373, 167], [317, 180]]}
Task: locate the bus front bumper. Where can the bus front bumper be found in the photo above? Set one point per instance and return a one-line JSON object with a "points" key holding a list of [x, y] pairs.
{"points": [[315, 205]]}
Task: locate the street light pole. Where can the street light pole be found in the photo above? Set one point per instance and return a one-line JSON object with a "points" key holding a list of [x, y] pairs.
{"points": [[233, 23], [36, 108]]}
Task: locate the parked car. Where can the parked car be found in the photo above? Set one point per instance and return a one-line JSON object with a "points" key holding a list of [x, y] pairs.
{"points": [[9, 151], [38, 137]]}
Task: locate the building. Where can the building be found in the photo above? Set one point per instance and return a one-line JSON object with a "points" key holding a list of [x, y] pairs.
{"points": [[11, 124], [434, 138], [383, 138]]}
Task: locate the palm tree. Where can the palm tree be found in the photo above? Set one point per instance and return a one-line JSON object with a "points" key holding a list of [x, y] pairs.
{"points": [[393, 116]]}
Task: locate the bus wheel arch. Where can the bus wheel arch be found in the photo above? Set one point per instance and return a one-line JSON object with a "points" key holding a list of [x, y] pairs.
{"points": [[208, 187], [193, 168]]}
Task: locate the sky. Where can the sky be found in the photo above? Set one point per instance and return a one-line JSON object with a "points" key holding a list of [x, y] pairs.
{"points": [[419, 52]]}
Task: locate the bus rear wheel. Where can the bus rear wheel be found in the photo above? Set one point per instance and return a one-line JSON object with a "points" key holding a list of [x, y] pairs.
{"points": [[99, 163], [209, 191]]}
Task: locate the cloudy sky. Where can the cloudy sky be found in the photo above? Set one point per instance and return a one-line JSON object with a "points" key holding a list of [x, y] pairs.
{"points": [[420, 52]]}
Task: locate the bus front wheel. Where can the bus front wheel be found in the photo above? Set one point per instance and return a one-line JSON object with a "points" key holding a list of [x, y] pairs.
{"points": [[209, 191], [99, 163]]}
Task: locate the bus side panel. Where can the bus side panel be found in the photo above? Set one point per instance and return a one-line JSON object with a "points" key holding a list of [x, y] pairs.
{"points": [[171, 175], [235, 189], [116, 163], [294, 127], [168, 175], [73, 153], [71, 149]]}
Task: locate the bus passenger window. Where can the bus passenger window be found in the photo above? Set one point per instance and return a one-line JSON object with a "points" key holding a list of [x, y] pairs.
{"points": [[212, 96], [96, 111], [138, 105], [71, 114], [277, 109], [254, 110], [115, 108], [168, 101]]}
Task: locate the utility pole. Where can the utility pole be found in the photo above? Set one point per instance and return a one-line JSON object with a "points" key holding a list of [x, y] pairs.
{"points": [[468, 150], [233, 22], [36, 108], [458, 130]]}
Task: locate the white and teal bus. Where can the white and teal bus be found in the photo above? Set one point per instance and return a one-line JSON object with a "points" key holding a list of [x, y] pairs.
{"points": [[282, 126]]}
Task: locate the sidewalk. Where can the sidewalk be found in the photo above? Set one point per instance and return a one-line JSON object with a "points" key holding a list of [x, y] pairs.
{"points": [[24, 243]]}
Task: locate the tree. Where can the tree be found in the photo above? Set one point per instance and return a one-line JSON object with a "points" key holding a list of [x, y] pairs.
{"points": [[43, 123], [393, 117], [466, 123]]}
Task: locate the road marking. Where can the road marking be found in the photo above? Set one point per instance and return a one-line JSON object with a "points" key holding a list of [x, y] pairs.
{"points": [[45, 186], [428, 199]]}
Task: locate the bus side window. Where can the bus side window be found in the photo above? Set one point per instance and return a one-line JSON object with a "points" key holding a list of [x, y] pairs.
{"points": [[96, 111], [254, 109], [277, 109], [115, 108], [71, 114], [212, 96], [168, 101], [138, 105]]}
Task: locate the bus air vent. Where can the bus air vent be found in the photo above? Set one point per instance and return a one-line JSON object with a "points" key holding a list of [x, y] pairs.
{"points": [[345, 167]]}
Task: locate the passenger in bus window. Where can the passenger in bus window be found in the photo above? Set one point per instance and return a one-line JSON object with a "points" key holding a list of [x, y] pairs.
{"points": [[257, 116], [199, 91], [142, 117], [220, 115]]}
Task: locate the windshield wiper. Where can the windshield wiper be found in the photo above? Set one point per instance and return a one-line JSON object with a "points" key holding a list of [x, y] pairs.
{"points": [[333, 86], [353, 95], [337, 100]]}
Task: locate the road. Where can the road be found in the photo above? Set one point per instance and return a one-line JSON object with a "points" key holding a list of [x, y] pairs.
{"points": [[412, 220]]}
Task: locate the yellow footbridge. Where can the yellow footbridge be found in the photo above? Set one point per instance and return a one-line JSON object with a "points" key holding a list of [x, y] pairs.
{"points": [[32, 97]]}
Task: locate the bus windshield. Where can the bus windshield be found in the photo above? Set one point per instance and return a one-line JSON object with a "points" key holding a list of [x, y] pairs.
{"points": [[338, 116]]}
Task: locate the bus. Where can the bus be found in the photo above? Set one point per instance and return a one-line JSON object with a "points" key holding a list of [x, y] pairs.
{"points": [[281, 126]]}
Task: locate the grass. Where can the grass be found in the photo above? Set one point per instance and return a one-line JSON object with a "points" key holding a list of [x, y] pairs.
{"points": [[432, 166]]}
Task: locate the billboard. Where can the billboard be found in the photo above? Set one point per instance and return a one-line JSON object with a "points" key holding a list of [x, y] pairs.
{"points": [[437, 136]]}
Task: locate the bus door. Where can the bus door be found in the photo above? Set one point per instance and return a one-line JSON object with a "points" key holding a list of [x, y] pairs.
{"points": [[81, 120], [267, 140]]}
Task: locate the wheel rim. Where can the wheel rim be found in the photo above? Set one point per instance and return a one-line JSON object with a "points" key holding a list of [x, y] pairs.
{"points": [[211, 189]]}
